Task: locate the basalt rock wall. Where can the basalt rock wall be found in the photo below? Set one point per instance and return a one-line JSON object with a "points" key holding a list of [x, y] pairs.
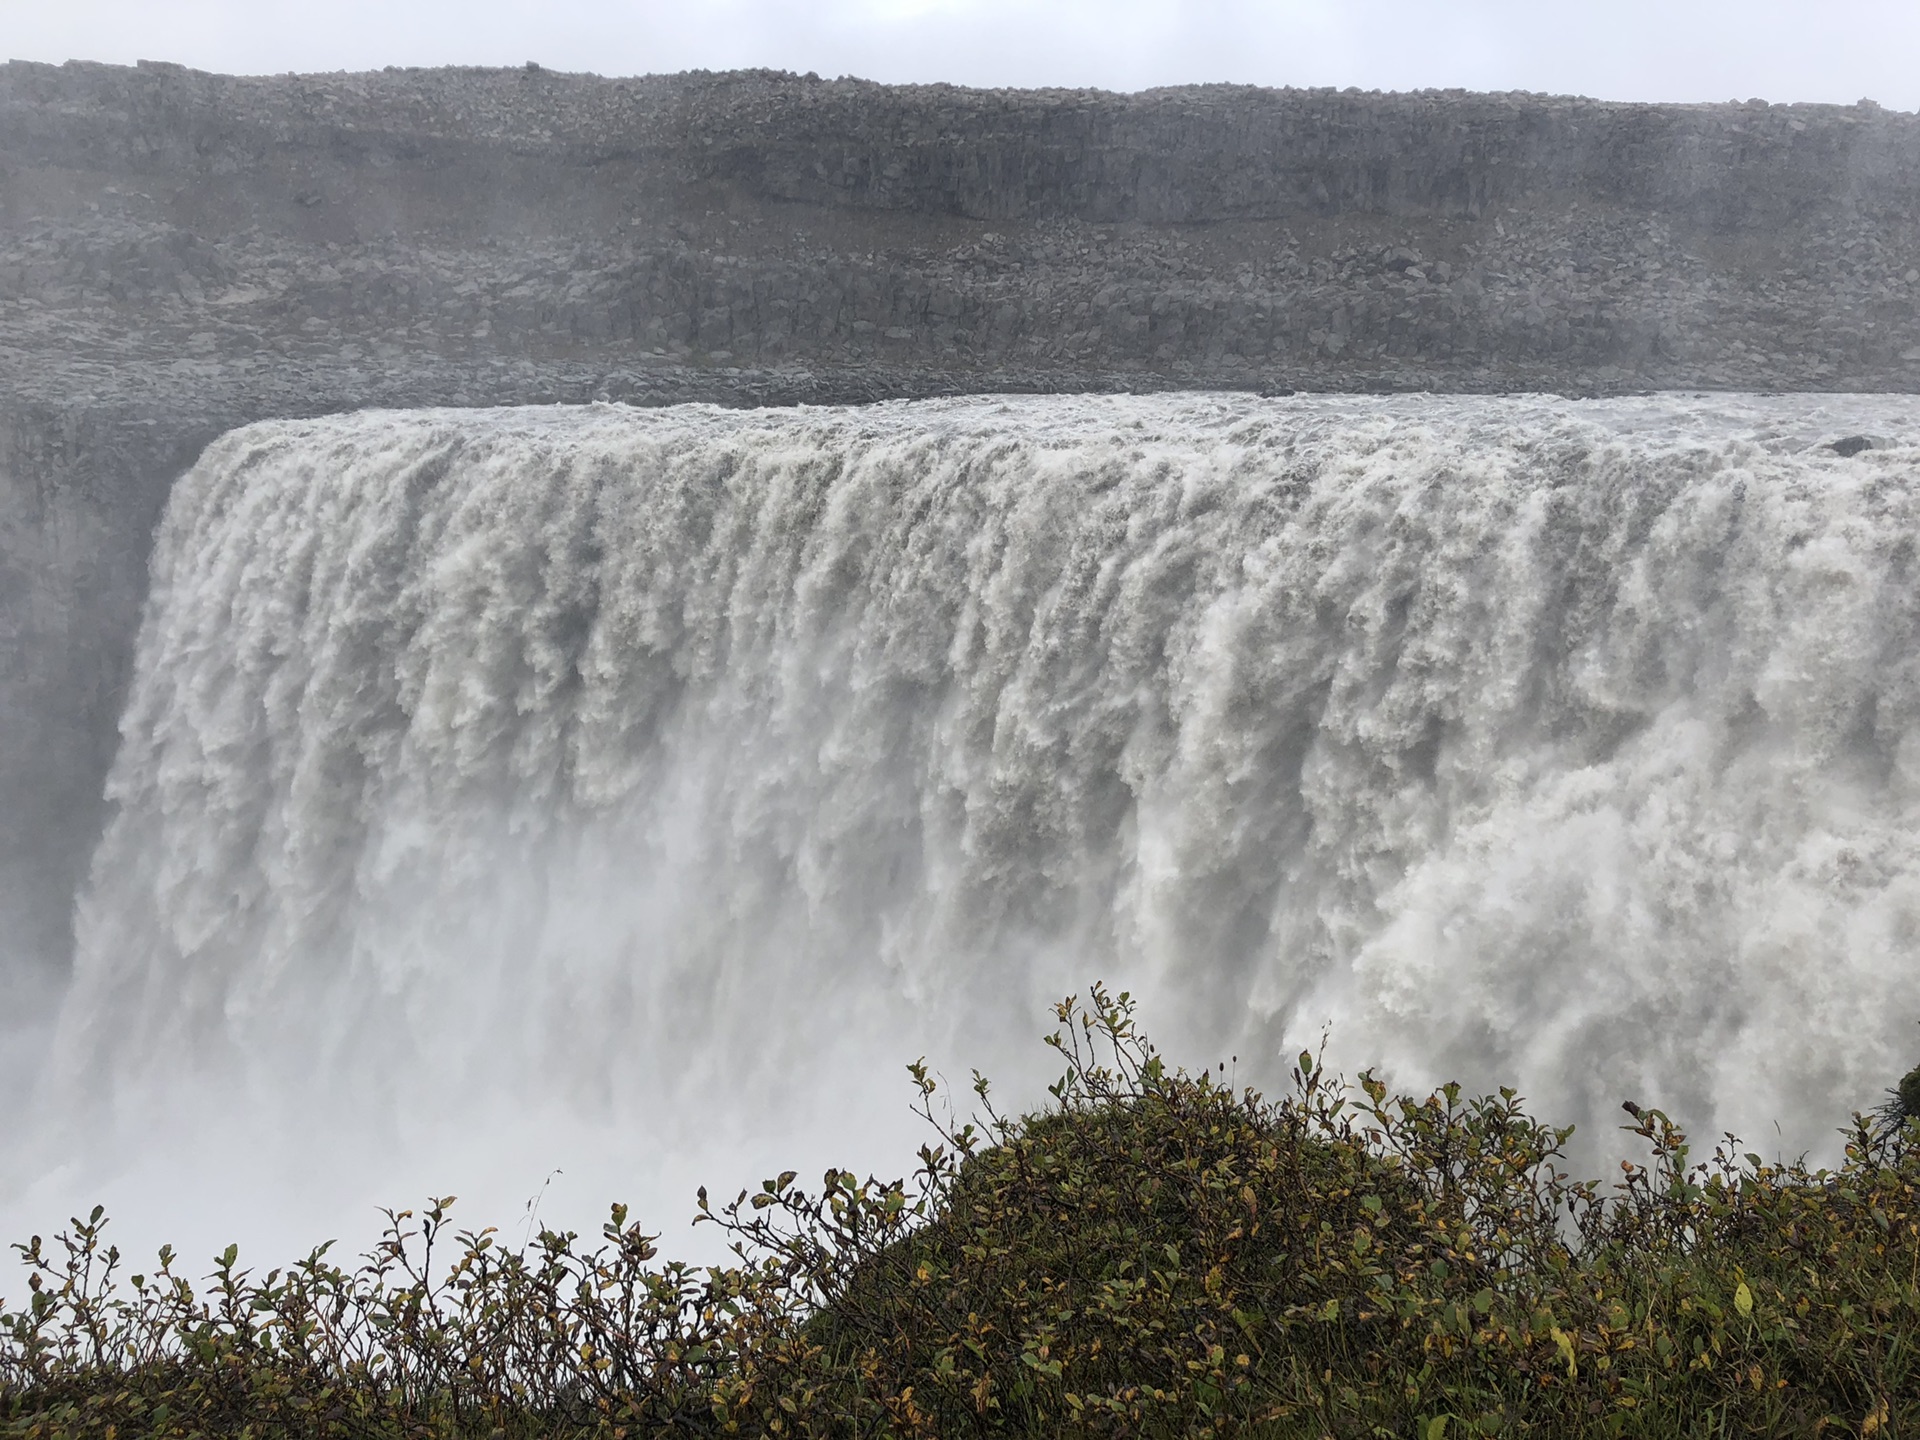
{"points": [[1196, 155], [181, 253]]}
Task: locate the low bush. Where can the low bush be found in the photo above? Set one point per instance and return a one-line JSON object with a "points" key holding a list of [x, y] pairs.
{"points": [[1153, 1253]]}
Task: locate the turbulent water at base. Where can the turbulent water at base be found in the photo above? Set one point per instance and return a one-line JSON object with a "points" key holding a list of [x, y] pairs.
{"points": [[598, 787]]}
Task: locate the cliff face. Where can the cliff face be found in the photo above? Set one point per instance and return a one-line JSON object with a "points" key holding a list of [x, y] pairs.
{"points": [[181, 252], [1199, 155], [890, 239]]}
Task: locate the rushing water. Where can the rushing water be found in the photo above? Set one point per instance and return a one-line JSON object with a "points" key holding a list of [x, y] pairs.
{"points": [[603, 788]]}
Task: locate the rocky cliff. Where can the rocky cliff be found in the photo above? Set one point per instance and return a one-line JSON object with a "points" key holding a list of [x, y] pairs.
{"points": [[182, 252]]}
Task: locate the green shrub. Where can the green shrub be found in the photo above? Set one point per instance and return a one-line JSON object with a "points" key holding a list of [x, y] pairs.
{"points": [[1152, 1254]]}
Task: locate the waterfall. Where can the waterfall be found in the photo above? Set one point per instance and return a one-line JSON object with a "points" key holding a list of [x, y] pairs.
{"points": [[549, 774]]}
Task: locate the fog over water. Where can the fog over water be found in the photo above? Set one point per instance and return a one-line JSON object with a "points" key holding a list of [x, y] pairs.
{"points": [[634, 792]]}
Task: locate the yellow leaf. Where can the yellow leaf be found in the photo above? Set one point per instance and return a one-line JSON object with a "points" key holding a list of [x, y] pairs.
{"points": [[1743, 1299], [1566, 1348], [1875, 1421]]}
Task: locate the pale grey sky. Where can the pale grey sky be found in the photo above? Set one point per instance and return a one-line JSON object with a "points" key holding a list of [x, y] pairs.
{"points": [[1781, 50]]}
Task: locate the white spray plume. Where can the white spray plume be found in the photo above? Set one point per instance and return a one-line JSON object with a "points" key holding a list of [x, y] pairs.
{"points": [[618, 790]]}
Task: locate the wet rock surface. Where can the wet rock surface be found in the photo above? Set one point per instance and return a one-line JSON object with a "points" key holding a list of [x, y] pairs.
{"points": [[181, 253]]}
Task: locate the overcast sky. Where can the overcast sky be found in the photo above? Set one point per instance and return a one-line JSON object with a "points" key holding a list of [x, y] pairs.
{"points": [[1781, 50]]}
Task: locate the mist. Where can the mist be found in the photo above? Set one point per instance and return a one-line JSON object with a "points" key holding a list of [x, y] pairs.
{"points": [[632, 794]]}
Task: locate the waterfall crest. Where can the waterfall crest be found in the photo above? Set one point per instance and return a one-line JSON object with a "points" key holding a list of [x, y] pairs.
{"points": [[591, 761]]}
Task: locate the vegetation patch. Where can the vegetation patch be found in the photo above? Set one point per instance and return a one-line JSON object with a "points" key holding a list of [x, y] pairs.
{"points": [[1153, 1253]]}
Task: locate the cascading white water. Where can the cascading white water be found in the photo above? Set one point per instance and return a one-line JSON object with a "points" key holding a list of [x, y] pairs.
{"points": [[545, 781]]}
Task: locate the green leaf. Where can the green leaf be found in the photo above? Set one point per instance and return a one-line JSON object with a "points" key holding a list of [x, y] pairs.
{"points": [[1743, 1299], [1437, 1427]]}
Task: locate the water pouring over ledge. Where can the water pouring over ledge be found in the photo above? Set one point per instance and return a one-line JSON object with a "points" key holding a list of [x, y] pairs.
{"points": [[632, 792]]}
